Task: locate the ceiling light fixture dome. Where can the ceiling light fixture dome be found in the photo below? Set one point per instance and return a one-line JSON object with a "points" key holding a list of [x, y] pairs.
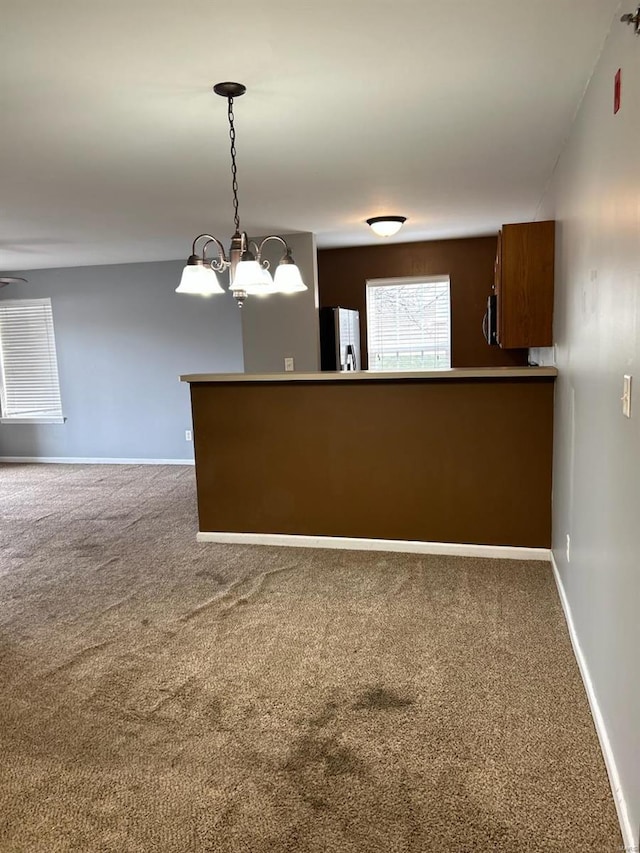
{"points": [[11, 279], [386, 226], [248, 272]]}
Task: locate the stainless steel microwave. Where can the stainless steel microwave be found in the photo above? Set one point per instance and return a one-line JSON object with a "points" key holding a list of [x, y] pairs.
{"points": [[490, 321]]}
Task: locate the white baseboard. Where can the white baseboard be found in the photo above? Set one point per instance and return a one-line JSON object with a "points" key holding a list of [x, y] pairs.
{"points": [[82, 460], [508, 552], [605, 744]]}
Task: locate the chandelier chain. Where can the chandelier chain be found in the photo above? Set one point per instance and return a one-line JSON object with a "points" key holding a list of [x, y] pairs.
{"points": [[234, 168]]}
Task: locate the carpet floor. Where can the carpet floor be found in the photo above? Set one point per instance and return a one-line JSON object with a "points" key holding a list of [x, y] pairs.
{"points": [[163, 696]]}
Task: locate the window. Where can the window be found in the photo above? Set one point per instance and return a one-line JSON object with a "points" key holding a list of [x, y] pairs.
{"points": [[29, 387], [409, 323]]}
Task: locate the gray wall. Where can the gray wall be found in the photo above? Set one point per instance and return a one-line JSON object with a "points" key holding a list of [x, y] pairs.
{"points": [[123, 337], [280, 325], [595, 197]]}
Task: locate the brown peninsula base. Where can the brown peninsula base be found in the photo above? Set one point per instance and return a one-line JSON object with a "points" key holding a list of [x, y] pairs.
{"points": [[463, 460]]}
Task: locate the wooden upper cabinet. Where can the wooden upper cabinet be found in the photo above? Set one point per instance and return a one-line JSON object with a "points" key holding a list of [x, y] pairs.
{"points": [[524, 284]]}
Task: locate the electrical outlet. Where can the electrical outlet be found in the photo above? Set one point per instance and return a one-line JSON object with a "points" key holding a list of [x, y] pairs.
{"points": [[187, 435], [626, 396], [288, 363], [568, 548]]}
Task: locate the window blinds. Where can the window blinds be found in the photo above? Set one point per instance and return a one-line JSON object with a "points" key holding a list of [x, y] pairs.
{"points": [[409, 325], [29, 385]]}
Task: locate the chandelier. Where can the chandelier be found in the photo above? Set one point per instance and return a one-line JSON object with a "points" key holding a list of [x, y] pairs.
{"points": [[248, 271]]}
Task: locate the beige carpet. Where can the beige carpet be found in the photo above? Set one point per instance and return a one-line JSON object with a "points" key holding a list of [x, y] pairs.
{"points": [[160, 695]]}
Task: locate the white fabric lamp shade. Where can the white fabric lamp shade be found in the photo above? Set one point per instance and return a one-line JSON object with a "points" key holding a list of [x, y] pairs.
{"points": [[200, 280], [288, 279]]}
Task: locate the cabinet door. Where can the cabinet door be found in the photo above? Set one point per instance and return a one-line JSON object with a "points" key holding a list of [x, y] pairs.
{"points": [[525, 295]]}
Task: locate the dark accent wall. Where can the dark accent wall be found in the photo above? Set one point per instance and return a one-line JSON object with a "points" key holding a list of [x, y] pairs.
{"points": [[343, 273], [434, 460]]}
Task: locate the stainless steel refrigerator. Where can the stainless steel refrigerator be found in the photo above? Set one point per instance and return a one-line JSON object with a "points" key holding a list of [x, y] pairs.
{"points": [[339, 339]]}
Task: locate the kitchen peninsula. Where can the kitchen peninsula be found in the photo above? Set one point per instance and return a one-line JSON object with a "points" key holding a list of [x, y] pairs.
{"points": [[456, 456]]}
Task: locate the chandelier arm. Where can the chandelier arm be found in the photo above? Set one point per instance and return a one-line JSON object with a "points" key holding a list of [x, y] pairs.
{"points": [[222, 262], [210, 238], [273, 237], [253, 247]]}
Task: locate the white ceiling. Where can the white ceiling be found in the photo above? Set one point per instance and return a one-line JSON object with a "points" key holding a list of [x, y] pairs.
{"points": [[113, 148]]}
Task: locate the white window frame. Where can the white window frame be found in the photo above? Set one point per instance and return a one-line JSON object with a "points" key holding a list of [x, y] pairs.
{"points": [[399, 282], [44, 418]]}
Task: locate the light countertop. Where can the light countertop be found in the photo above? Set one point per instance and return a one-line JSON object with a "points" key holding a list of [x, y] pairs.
{"points": [[378, 376]]}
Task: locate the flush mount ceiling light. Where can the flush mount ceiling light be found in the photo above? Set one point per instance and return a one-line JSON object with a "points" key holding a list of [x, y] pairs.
{"points": [[248, 272], [386, 226], [11, 279]]}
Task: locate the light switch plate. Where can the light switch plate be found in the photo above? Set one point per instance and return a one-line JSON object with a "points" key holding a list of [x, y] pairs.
{"points": [[626, 396], [288, 364]]}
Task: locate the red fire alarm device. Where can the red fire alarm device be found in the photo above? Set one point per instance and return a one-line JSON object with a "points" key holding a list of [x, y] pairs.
{"points": [[617, 84]]}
